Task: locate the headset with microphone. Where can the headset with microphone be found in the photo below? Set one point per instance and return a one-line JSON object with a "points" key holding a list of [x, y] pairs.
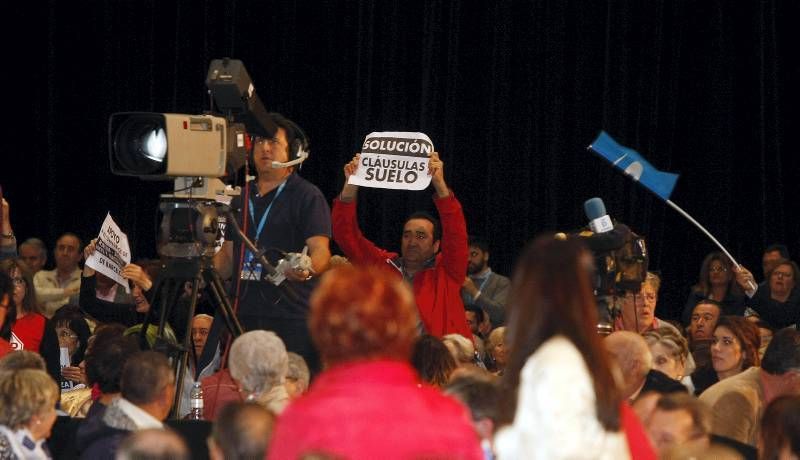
{"points": [[298, 148]]}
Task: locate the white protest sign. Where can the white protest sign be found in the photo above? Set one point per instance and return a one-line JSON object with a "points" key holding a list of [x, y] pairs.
{"points": [[112, 252], [394, 160]]}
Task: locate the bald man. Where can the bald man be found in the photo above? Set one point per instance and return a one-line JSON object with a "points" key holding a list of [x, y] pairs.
{"points": [[201, 326], [632, 355]]}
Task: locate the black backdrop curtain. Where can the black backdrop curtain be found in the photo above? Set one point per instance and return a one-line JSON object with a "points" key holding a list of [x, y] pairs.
{"points": [[511, 93]]}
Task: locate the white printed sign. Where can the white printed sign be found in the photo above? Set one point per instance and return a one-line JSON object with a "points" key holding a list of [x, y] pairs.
{"points": [[394, 160], [112, 252]]}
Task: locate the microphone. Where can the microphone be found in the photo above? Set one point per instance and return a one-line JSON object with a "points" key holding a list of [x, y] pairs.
{"points": [[599, 222], [302, 155], [279, 164], [604, 235]]}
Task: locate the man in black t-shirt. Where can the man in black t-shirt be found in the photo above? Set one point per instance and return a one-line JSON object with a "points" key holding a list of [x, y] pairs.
{"points": [[281, 213]]}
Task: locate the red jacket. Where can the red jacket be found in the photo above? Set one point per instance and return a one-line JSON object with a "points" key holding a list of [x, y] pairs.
{"points": [[374, 410], [219, 390], [30, 331], [437, 290]]}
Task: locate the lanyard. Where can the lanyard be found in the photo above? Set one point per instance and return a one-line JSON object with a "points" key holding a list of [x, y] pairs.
{"points": [[266, 211]]}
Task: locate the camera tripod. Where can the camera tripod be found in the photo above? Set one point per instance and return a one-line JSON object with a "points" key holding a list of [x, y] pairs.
{"points": [[190, 259], [169, 287]]}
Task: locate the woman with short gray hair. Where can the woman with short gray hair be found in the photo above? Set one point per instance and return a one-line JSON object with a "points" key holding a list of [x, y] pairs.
{"points": [[258, 363], [298, 377], [28, 400]]}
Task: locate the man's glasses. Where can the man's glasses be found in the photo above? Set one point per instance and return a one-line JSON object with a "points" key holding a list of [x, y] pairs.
{"points": [[718, 269], [649, 297]]}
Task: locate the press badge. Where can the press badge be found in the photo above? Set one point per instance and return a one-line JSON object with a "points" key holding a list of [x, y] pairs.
{"points": [[251, 271]]}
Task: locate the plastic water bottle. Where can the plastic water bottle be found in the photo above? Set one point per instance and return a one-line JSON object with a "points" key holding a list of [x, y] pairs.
{"points": [[196, 402]]}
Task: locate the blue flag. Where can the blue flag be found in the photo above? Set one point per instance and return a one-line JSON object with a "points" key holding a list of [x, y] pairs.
{"points": [[634, 165]]}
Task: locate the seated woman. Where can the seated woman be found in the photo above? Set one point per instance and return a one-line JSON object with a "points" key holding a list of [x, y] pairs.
{"points": [[733, 350], [463, 351], [259, 364], [496, 349], [27, 412], [558, 380], [670, 354], [73, 335], [30, 330], [776, 300], [718, 282], [127, 314]]}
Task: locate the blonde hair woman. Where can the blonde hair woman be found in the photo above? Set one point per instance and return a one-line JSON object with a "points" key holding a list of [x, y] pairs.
{"points": [[27, 412]]}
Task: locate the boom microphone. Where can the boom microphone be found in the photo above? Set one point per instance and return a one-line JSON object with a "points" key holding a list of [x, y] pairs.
{"points": [[302, 155], [279, 164]]}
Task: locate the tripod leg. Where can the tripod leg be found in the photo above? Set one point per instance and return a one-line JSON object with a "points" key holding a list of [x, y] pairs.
{"points": [[214, 283], [187, 343]]}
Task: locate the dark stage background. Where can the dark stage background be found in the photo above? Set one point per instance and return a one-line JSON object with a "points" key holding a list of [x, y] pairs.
{"points": [[510, 92]]}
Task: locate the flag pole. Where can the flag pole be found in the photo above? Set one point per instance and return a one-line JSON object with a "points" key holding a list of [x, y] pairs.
{"points": [[661, 184], [708, 234]]}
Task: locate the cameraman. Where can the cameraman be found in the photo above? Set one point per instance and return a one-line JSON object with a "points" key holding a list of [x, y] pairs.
{"points": [[286, 213]]}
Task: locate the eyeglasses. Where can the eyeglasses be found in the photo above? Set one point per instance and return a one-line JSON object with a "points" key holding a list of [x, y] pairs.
{"points": [[718, 269], [778, 274], [648, 297], [18, 281]]}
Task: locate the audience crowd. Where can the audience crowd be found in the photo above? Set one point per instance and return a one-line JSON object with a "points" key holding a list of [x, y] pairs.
{"points": [[524, 370]]}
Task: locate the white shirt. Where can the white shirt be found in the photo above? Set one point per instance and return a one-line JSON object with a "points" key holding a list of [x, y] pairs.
{"points": [[142, 419], [50, 291], [23, 445], [556, 416]]}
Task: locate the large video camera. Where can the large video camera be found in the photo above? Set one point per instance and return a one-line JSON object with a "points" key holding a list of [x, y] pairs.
{"points": [[621, 260], [198, 152]]}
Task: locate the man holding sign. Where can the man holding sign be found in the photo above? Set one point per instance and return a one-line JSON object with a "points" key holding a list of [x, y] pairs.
{"points": [[432, 259]]}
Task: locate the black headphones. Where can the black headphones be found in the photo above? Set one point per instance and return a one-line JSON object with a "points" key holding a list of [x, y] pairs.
{"points": [[299, 148]]}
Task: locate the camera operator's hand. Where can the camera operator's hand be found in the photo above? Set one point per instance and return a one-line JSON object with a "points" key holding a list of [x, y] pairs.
{"points": [[297, 266], [436, 171], [296, 274], [349, 191], [139, 277]]}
